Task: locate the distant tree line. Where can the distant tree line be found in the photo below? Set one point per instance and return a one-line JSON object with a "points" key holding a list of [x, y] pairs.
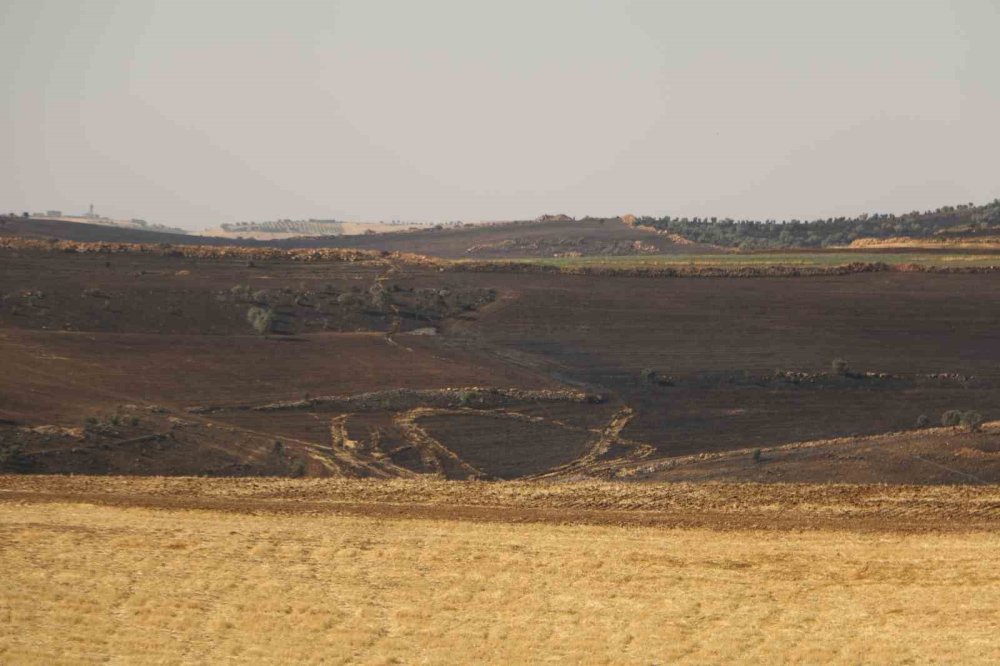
{"points": [[962, 220]]}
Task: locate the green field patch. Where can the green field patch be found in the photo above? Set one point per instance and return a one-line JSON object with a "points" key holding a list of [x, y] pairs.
{"points": [[770, 259]]}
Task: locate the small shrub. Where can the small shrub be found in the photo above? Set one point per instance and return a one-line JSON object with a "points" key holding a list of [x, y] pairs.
{"points": [[105, 425], [840, 366], [757, 455], [923, 421], [971, 421], [10, 456], [297, 468], [648, 375], [262, 319], [379, 298], [241, 292], [951, 418]]}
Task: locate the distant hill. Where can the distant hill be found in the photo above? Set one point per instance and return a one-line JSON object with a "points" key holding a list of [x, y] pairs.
{"points": [[291, 229], [32, 227], [549, 236], [556, 236], [277, 229], [91, 219]]}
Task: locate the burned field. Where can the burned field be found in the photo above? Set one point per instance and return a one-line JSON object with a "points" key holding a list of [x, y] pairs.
{"points": [[386, 366]]}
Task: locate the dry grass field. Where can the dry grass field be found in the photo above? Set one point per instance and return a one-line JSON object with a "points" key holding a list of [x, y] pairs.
{"points": [[95, 574]]}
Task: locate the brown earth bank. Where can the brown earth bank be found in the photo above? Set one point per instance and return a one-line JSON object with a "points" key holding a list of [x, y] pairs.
{"points": [[857, 507], [162, 363], [928, 456]]}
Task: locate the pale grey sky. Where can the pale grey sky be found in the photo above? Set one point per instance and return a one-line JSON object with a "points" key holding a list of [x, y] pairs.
{"points": [[193, 113]]}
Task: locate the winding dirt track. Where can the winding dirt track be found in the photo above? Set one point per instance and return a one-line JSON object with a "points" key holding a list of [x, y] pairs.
{"points": [[724, 506]]}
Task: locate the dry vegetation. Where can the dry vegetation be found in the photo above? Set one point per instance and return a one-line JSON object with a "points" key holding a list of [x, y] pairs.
{"points": [[934, 242], [89, 583]]}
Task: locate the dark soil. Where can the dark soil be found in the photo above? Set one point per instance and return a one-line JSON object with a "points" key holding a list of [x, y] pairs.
{"points": [[82, 335]]}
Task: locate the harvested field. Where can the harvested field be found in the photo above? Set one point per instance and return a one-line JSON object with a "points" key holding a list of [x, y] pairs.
{"points": [[192, 570]]}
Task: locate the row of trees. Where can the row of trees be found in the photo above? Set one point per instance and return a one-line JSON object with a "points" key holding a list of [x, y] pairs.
{"points": [[763, 234]]}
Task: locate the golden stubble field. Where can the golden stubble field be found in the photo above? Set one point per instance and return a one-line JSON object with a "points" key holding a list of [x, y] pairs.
{"points": [[100, 583]]}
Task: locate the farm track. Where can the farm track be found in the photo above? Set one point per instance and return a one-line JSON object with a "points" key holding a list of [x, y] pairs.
{"points": [[440, 460], [433, 453], [609, 436], [396, 322]]}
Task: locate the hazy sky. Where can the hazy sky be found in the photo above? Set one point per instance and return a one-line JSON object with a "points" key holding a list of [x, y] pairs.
{"points": [[194, 113]]}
